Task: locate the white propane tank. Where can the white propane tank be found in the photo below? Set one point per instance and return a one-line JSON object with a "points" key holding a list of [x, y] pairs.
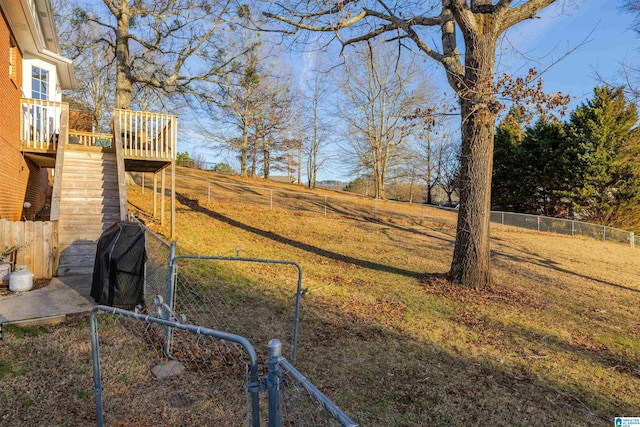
{"points": [[20, 281]]}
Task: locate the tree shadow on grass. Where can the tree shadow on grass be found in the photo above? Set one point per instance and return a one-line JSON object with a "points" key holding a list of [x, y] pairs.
{"points": [[449, 241], [529, 257], [383, 377], [195, 206]]}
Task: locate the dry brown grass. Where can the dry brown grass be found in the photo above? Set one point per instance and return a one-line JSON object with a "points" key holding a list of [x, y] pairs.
{"points": [[555, 340], [45, 376]]}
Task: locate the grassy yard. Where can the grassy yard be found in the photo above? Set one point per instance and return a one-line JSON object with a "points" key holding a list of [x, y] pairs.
{"points": [[555, 340]]}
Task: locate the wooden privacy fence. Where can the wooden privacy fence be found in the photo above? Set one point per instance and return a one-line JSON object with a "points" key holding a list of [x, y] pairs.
{"points": [[37, 244]]}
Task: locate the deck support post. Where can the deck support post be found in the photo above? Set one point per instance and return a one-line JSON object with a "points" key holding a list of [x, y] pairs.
{"points": [[155, 195], [162, 192], [173, 200]]}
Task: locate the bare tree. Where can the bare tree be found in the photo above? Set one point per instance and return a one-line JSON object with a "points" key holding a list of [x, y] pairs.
{"points": [[235, 101], [433, 27], [428, 146], [629, 74], [316, 94], [270, 124], [165, 45], [93, 67], [377, 98], [450, 178], [404, 180]]}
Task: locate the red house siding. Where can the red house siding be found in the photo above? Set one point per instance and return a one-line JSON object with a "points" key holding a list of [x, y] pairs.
{"points": [[14, 172]]}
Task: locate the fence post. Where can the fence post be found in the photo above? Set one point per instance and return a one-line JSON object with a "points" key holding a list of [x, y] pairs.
{"points": [[171, 285], [97, 377], [208, 191], [538, 222], [632, 239], [573, 228], [273, 383], [604, 233], [502, 218], [325, 205], [270, 200]]}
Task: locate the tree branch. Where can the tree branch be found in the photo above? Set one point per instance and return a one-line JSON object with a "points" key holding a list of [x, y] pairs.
{"points": [[328, 28], [527, 10]]}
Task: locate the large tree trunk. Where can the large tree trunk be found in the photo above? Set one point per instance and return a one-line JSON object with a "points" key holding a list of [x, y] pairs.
{"points": [[123, 68], [254, 158], [313, 169], [411, 181], [470, 265], [266, 158], [300, 164]]}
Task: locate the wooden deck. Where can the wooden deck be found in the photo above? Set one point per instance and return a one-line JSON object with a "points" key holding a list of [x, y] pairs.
{"points": [[148, 140], [142, 141]]}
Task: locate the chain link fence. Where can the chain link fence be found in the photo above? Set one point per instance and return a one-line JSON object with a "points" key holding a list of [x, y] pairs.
{"points": [[361, 207], [152, 368], [210, 378], [294, 400], [159, 253], [156, 271], [212, 291], [211, 192], [564, 226]]}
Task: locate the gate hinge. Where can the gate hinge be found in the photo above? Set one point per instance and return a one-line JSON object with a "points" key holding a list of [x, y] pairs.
{"points": [[258, 386]]}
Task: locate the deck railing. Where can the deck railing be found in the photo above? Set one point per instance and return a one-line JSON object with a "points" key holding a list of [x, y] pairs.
{"points": [[90, 139], [143, 135], [41, 123], [147, 136]]}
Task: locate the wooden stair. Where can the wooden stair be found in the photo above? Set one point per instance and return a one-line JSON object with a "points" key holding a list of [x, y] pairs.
{"points": [[89, 204]]}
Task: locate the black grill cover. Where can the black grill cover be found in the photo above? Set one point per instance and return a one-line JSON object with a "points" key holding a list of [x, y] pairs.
{"points": [[118, 272]]}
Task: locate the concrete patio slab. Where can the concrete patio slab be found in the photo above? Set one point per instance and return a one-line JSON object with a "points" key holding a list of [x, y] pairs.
{"points": [[65, 296]]}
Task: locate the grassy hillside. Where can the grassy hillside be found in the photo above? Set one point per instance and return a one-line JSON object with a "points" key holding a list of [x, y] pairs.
{"points": [[555, 340]]}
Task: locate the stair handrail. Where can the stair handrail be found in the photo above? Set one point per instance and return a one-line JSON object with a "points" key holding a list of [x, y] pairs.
{"points": [[57, 179], [63, 138], [122, 185]]}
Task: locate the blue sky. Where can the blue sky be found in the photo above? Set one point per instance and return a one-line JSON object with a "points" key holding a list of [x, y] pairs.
{"points": [[608, 40], [573, 43]]}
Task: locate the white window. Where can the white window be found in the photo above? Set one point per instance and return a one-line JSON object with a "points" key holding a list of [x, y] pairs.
{"points": [[39, 83]]}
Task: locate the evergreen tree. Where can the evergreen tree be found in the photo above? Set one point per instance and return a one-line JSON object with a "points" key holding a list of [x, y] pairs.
{"points": [[605, 131], [551, 168], [535, 168], [507, 181]]}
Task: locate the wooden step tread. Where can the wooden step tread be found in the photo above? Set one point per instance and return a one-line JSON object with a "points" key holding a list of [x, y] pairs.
{"points": [[94, 193], [70, 211], [73, 270], [67, 199], [90, 160], [92, 174]]}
